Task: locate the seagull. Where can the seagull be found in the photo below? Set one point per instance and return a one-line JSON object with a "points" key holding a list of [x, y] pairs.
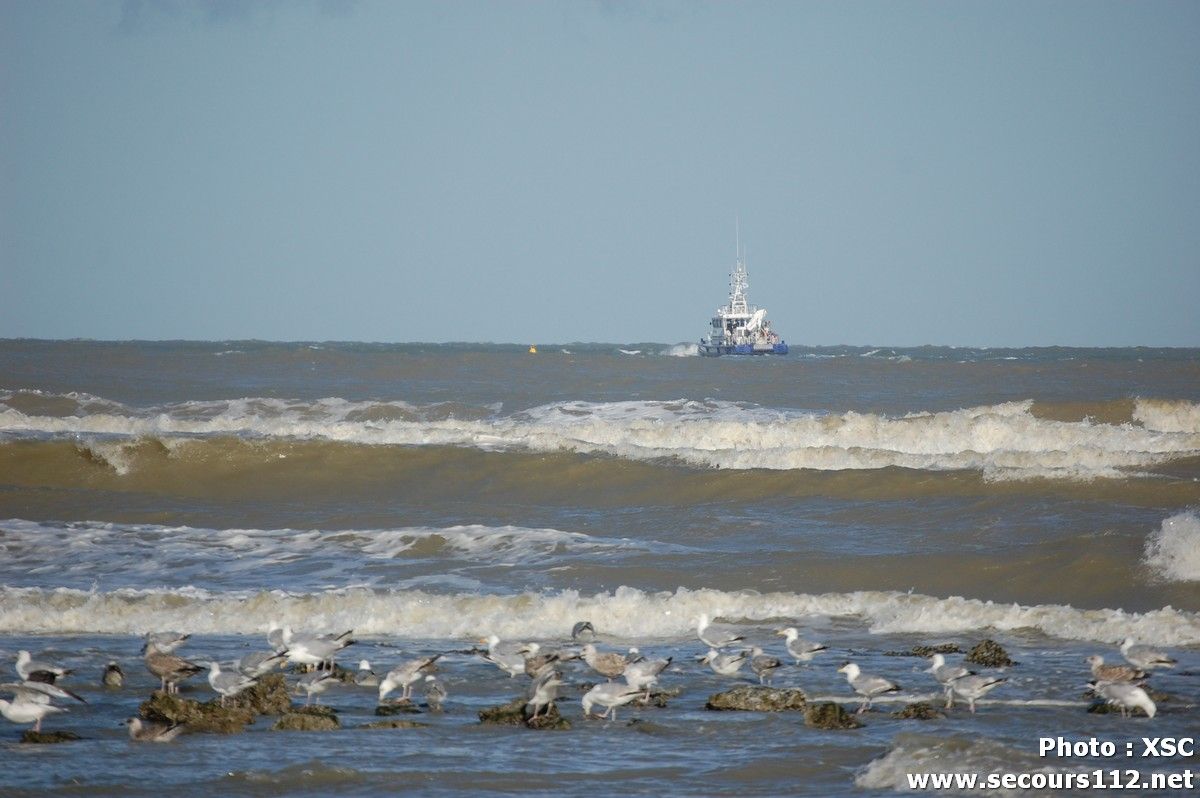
{"points": [[1125, 695], [1113, 673], [763, 665], [946, 674], [170, 669], [542, 693], [277, 637], [1145, 657], [315, 683], [365, 676], [608, 663], [258, 663], [643, 673], [974, 686], [148, 731], [535, 662], [608, 694], [165, 642], [581, 628], [113, 675], [227, 683], [31, 702], [316, 651], [717, 638], [31, 670], [506, 657], [724, 664], [435, 693], [405, 676], [866, 685], [803, 650]]}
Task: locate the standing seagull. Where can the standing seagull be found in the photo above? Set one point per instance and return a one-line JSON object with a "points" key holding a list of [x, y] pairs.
{"points": [[609, 694], [724, 664], [315, 683], [31, 702], [31, 670], [542, 693], [405, 676], [763, 665], [716, 638], [258, 663], [1126, 696], [365, 676], [1145, 657], [165, 642], [227, 683], [506, 657], [1113, 673], [316, 651], [435, 693], [170, 669], [866, 685], [974, 687], [803, 650], [608, 663], [946, 674], [643, 673]]}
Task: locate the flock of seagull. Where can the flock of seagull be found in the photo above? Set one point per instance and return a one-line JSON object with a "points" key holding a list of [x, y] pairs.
{"points": [[629, 675]]}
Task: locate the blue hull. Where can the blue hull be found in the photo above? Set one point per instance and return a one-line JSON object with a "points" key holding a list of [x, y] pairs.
{"points": [[710, 350]]}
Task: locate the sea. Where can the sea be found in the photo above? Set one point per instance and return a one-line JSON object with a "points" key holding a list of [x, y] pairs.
{"points": [[426, 496]]}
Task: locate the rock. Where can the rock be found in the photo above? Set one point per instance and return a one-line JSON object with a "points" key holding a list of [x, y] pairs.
{"points": [[393, 724], [209, 717], [753, 698], [31, 736], [658, 698], [919, 711], [307, 721], [829, 715], [513, 714], [926, 651], [400, 707], [268, 696], [990, 655]]}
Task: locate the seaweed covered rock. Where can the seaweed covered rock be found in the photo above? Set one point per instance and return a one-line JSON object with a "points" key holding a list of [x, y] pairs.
{"points": [[926, 651], [829, 715], [658, 698], [990, 654], [39, 738], [209, 717], [307, 721], [919, 710], [514, 714], [268, 696], [393, 724], [399, 707], [753, 698]]}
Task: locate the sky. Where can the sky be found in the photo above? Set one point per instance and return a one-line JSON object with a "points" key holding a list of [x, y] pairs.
{"points": [[904, 173]]}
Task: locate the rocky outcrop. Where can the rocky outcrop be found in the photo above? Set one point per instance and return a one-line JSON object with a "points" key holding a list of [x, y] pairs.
{"points": [[926, 651], [514, 714], [312, 718], [919, 711], [268, 696], [989, 654], [399, 707], [41, 738], [752, 698], [210, 717], [393, 724], [829, 715]]}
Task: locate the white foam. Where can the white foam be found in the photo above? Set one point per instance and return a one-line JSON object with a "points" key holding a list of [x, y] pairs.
{"points": [[1165, 415], [920, 753], [625, 613], [1173, 550], [1003, 441], [682, 350]]}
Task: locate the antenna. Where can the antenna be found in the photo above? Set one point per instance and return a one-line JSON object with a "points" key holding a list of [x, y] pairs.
{"points": [[737, 236]]}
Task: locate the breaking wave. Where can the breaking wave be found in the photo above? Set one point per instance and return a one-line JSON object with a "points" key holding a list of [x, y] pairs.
{"points": [[1003, 441], [1173, 550], [626, 613]]}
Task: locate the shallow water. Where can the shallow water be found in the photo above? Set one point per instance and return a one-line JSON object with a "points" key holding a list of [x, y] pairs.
{"points": [[428, 495]]}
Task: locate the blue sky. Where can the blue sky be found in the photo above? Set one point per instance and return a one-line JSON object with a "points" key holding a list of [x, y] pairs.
{"points": [[905, 173]]}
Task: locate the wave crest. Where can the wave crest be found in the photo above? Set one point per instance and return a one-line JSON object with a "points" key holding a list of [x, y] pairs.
{"points": [[1173, 550]]}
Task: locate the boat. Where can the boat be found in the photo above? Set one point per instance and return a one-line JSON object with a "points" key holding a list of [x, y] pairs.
{"points": [[740, 328]]}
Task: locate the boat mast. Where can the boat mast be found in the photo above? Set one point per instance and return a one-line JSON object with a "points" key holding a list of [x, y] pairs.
{"points": [[738, 280]]}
